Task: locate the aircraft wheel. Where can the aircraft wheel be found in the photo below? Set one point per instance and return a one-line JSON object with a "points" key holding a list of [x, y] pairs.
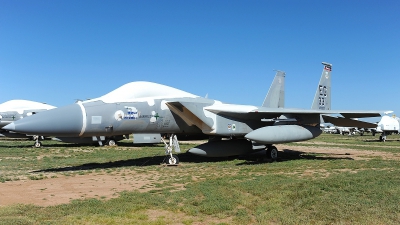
{"points": [[174, 160], [111, 143], [38, 144], [272, 153]]}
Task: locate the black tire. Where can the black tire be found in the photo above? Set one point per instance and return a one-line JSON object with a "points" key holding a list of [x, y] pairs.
{"points": [[174, 160], [272, 153]]}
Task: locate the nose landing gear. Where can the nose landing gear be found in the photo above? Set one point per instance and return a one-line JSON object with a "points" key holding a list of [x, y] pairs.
{"points": [[172, 145], [37, 138]]}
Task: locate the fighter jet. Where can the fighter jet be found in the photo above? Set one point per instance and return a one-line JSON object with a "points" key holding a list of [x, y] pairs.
{"points": [[14, 110], [274, 98], [146, 107]]}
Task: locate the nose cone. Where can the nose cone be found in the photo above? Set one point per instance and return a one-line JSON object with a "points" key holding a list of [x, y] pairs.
{"points": [[9, 126], [65, 121]]}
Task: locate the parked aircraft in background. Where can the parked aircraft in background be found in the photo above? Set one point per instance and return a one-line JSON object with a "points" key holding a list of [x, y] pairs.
{"points": [[387, 125], [145, 107], [14, 110], [343, 130], [330, 129], [347, 130]]}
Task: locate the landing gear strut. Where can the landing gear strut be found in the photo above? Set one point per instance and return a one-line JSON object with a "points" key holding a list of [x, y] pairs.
{"points": [[37, 144], [172, 145], [382, 137]]}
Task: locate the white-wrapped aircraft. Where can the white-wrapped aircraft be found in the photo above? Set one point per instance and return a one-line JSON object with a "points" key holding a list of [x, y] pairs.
{"points": [[14, 110], [387, 125]]}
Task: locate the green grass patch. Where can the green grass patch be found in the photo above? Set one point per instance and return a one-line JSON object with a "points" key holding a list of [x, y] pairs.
{"points": [[294, 190]]}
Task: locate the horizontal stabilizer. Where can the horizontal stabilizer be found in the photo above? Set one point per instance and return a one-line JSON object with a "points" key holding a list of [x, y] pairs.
{"points": [[360, 115], [253, 112], [346, 122]]}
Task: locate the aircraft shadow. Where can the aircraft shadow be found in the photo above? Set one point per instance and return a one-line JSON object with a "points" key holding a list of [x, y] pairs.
{"points": [[377, 140], [295, 155], [25, 143], [19, 146], [256, 158], [139, 162], [288, 155]]}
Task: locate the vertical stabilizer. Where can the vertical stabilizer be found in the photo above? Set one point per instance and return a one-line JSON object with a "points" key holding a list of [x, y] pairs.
{"points": [[276, 94], [322, 99]]}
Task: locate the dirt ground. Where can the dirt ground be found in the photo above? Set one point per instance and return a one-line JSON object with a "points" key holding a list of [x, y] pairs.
{"points": [[340, 152], [63, 189]]}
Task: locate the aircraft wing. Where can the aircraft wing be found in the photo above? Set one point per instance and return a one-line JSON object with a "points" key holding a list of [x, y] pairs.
{"points": [[232, 110], [346, 122], [192, 114]]}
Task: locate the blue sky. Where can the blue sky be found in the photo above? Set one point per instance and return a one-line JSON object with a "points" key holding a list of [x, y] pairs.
{"points": [[60, 51]]}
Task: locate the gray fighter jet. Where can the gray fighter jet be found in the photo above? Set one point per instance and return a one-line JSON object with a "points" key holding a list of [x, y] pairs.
{"points": [[14, 110], [274, 98], [145, 107]]}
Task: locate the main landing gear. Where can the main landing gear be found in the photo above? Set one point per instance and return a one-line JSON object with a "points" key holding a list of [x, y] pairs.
{"points": [[172, 145], [382, 137], [111, 142], [105, 141], [272, 152]]}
